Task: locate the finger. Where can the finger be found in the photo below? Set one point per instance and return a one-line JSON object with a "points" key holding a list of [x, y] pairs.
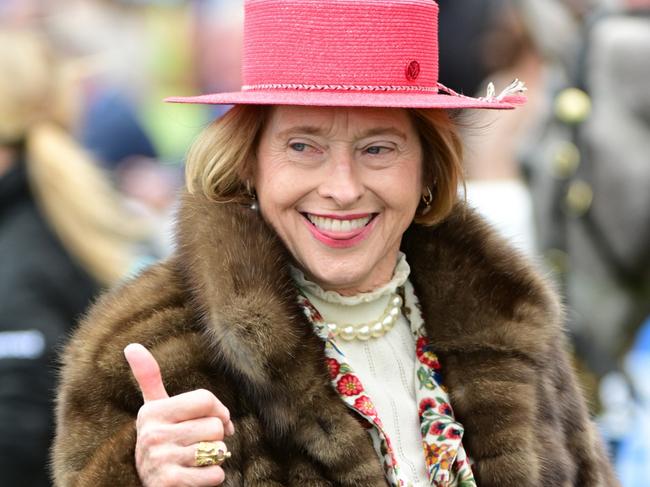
{"points": [[229, 428], [175, 466], [188, 454], [200, 403], [146, 371], [204, 429], [200, 476]]}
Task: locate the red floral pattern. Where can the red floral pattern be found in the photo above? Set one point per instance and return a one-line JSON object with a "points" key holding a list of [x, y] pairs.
{"points": [[365, 405], [445, 458], [333, 368], [425, 355], [445, 409], [427, 403], [349, 385], [437, 428], [453, 433]]}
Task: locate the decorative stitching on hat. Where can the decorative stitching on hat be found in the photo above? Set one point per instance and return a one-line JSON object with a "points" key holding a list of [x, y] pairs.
{"points": [[307, 87]]}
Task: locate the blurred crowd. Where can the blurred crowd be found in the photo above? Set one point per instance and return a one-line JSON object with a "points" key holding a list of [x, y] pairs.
{"points": [[91, 161]]}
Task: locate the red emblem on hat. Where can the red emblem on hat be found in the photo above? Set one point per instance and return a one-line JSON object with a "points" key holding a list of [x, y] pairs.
{"points": [[412, 70]]}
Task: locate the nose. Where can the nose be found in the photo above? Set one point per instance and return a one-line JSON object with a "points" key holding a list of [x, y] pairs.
{"points": [[342, 182]]}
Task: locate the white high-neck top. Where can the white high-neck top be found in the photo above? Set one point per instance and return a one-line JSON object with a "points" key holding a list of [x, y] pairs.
{"points": [[384, 365]]}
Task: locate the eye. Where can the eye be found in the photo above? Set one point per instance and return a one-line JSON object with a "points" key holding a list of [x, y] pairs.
{"points": [[376, 150], [298, 146], [303, 151]]}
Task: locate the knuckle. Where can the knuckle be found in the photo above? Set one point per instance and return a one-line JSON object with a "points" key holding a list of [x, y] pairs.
{"points": [[157, 456], [209, 401], [148, 412], [205, 397], [220, 430], [225, 414], [150, 436], [143, 414], [205, 394], [216, 428]]}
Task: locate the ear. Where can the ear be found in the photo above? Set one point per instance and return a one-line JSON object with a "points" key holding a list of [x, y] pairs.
{"points": [[248, 172]]}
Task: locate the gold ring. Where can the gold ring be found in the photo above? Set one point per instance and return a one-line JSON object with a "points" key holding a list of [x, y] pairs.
{"points": [[210, 453]]}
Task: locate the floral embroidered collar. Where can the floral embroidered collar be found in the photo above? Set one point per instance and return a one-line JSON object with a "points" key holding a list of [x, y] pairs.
{"points": [[446, 460]]}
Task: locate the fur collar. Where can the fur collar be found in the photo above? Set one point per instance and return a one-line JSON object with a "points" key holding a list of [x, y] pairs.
{"points": [[475, 290], [485, 309]]}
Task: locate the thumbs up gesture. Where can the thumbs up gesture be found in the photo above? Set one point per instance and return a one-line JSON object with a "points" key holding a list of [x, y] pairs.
{"points": [[169, 429]]}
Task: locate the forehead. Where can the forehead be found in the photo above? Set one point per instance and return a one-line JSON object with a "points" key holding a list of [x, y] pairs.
{"points": [[336, 119]]}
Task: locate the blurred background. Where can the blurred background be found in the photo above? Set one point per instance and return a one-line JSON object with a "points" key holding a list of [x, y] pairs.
{"points": [[91, 161]]}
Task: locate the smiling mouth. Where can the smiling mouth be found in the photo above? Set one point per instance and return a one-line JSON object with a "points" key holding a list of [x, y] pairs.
{"points": [[339, 225]]}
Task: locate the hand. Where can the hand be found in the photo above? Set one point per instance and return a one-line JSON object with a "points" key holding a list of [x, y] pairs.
{"points": [[169, 428]]}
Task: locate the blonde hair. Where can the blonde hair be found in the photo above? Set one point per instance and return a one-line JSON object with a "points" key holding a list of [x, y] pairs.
{"points": [[222, 157], [442, 155], [74, 195]]}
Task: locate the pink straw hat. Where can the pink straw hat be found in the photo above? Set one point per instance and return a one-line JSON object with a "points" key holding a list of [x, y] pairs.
{"points": [[371, 53]]}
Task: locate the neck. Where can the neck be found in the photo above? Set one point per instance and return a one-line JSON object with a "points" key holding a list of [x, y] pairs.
{"points": [[354, 290], [381, 275]]}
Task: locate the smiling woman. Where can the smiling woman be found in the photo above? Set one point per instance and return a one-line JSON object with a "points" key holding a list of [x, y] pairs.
{"points": [[333, 316], [313, 177], [311, 181], [223, 157]]}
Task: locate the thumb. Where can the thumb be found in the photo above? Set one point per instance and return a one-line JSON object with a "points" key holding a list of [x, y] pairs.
{"points": [[146, 371]]}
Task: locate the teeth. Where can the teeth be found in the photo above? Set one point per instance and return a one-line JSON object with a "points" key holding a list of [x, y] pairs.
{"points": [[335, 225]]}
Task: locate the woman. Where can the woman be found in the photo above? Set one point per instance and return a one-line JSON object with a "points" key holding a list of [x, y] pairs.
{"points": [[330, 291], [63, 236]]}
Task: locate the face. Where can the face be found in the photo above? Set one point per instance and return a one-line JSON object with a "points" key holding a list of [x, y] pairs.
{"points": [[340, 186]]}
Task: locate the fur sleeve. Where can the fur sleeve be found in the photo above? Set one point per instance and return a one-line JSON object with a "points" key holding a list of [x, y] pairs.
{"points": [[98, 400], [591, 464]]}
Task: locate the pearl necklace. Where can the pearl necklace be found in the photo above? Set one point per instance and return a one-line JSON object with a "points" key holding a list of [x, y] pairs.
{"points": [[372, 329]]}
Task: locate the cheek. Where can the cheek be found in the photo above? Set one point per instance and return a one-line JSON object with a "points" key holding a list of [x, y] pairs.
{"points": [[279, 188], [406, 186], [270, 178]]}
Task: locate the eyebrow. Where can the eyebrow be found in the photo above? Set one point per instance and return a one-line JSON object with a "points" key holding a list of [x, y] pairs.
{"points": [[314, 130]]}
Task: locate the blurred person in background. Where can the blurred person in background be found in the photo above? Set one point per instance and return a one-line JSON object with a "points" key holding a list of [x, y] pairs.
{"points": [[568, 175], [217, 43], [497, 50], [588, 161], [466, 27], [135, 144], [63, 237]]}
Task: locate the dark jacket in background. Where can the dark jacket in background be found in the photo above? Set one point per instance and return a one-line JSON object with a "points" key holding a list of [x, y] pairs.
{"points": [[590, 183], [42, 293]]}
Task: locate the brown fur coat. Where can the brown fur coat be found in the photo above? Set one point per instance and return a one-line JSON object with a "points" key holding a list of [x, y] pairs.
{"points": [[222, 315]]}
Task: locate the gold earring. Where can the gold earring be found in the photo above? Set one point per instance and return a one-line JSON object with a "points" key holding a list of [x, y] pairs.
{"points": [[427, 199], [251, 193]]}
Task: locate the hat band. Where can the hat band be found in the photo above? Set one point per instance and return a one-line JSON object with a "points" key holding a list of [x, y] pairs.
{"points": [[306, 87]]}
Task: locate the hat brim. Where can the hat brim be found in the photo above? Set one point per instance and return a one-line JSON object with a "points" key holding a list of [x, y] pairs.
{"points": [[350, 99]]}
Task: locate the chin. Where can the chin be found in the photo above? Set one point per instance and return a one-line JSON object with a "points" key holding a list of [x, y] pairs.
{"points": [[336, 277]]}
